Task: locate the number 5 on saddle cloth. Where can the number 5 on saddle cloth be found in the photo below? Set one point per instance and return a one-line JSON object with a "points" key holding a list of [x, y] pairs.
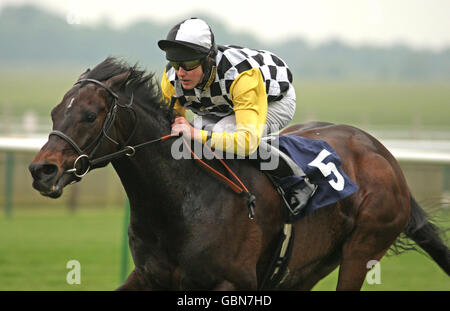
{"points": [[306, 173]]}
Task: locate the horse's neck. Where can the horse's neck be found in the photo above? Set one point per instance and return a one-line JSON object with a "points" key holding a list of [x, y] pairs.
{"points": [[152, 177]]}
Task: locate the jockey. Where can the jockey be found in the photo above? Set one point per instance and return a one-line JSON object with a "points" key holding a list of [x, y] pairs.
{"points": [[239, 95]]}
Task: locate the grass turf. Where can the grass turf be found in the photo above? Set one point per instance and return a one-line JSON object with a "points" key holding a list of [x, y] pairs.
{"points": [[36, 244]]}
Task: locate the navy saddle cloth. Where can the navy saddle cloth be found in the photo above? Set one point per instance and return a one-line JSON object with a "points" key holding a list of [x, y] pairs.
{"points": [[321, 165]]}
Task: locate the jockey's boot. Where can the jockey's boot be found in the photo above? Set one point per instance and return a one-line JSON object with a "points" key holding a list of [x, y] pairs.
{"points": [[300, 195], [297, 197]]}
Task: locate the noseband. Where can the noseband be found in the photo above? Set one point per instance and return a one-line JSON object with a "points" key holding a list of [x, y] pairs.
{"points": [[83, 157]]}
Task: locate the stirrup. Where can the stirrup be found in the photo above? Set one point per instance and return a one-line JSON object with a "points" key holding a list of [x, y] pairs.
{"points": [[299, 198]]}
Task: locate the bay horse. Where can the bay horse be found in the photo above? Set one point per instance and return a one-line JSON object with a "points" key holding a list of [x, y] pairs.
{"points": [[188, 231]]}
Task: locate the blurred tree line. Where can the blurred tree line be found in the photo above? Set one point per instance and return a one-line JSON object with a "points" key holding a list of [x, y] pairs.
{"points": [[30, 36]]}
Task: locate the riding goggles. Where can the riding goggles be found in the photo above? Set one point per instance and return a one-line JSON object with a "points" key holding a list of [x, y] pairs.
{"points": [[188, 65]]}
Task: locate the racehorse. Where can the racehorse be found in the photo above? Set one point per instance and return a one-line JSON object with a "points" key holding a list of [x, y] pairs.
{"points": [[187, 230]]}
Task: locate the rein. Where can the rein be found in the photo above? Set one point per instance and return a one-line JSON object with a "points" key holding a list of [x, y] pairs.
{"points": [[240, 189], [130, 151]]}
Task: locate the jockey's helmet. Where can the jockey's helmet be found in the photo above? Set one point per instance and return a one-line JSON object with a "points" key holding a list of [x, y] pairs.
{"points": [[190, 39]]}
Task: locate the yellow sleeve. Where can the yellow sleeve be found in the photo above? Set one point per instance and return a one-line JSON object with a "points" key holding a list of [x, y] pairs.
{"points": [[248, 93], [167, 91]]}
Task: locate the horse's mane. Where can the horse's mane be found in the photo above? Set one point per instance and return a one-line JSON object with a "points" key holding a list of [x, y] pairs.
{"points": [[144, 86]]}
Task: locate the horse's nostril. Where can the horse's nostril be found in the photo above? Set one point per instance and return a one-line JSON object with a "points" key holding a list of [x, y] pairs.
{"points": [[43, 171], [49, 169]]}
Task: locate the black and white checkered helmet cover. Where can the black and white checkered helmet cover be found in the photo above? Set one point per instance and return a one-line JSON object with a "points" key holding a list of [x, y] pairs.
{"points": [[231, 62]]}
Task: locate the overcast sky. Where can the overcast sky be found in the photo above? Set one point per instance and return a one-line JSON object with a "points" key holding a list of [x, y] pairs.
{"points": [[418, 23]]}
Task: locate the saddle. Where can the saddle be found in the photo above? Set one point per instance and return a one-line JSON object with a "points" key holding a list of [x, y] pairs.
{"points": [[305, 162]]}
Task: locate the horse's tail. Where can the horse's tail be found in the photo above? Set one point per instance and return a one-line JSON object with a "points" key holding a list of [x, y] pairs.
{"points": [[427, 235]]}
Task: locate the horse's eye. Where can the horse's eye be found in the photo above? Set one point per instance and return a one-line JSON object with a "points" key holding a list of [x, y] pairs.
{"points": [[91, 117]]}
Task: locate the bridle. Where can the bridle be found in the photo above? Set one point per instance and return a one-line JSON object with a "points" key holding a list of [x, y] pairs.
{"points": [[84, 158]]}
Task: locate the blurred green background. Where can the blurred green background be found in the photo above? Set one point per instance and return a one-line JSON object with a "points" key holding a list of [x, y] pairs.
{"points": [[392, 92], [409, 105]]}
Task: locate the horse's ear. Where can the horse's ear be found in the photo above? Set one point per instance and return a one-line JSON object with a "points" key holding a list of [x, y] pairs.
{"points": [[84, 74], [117, 81]]}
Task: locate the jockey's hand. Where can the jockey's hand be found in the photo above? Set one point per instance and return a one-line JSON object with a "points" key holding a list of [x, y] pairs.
{"points": [[181, 125]]}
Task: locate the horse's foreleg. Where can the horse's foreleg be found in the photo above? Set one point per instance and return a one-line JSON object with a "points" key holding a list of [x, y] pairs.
{"points": [[134, 282]]}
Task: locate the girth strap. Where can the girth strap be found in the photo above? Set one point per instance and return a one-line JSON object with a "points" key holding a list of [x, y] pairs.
{"points": [[278, 270]]}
